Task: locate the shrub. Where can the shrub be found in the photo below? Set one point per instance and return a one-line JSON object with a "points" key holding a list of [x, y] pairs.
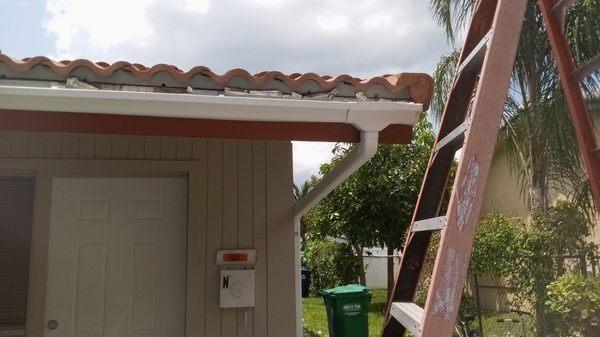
{"points": [[532, 256], [331, 263], [561, 231], [574, 305], [494, 250]]}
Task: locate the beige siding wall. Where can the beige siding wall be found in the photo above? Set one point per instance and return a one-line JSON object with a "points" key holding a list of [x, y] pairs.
{"points": [[240, 196], [57, 146], [502, 191]]}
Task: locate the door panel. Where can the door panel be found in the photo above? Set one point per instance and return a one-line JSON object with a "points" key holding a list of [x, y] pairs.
{"points": [[146, 286], [90, 274], [117, 256]]}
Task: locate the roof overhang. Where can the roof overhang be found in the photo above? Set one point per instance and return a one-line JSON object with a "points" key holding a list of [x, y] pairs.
{"points": [[48, 109]]}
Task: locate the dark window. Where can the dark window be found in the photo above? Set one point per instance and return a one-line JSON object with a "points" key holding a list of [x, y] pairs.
{"points": [[16, 218]]}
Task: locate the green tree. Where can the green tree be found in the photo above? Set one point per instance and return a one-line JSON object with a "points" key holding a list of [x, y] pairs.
{"points": [[374, 206], [495, 249], [331, 263], [536, 130], [299, 193]]}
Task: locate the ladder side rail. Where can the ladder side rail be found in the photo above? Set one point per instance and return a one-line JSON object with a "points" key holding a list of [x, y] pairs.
{"points": [[480, 25], [428, 206], [580, 115], [417, 243], [437, 173], [453, 255]]}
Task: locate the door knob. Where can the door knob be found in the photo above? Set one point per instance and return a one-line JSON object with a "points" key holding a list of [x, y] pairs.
{"points": [[52, 324]]}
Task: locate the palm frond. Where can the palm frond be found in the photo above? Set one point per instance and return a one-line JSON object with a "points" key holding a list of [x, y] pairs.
{"points": [[452, 15], [443, 76]]}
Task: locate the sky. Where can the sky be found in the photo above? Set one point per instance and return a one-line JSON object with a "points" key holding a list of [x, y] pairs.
{"points": [[362, 38]]}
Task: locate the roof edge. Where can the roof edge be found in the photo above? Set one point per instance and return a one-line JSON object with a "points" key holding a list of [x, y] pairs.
{"points": [[419, 85]]}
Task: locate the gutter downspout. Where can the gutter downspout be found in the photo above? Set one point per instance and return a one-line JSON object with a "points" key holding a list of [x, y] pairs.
{"points": [[360, 154], [370, 124]]}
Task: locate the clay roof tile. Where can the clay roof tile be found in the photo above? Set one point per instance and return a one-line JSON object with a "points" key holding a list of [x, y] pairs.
{"points": [[418, 85]]}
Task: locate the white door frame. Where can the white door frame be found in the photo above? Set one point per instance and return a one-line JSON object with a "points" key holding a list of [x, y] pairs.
{"points": [[44, 170]]}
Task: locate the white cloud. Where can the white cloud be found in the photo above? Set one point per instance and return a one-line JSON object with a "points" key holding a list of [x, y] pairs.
{"points": [[377, 21], [371, 36], [333, 22], [308, 156], [266, 3], [101, 24], [195, 5], [363, 38]]}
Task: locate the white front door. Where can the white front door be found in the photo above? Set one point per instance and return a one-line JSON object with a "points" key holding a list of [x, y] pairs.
{"points": [[117, 257]]}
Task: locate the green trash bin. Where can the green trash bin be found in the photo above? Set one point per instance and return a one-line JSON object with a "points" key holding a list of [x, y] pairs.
{"points": [[347, 308]]}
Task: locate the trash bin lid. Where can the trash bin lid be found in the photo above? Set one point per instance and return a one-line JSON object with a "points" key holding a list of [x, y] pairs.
{"points": [[349, 289]]}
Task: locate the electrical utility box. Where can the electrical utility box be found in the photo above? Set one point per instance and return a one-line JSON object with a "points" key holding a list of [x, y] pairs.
{"points": [[236, 278]]}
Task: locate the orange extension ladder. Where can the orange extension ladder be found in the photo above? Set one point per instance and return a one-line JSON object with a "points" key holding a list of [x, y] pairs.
{"points": [[571, 76], [470, 122]]}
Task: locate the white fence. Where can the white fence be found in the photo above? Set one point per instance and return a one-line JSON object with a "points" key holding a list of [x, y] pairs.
{"points": [[376, 267]]}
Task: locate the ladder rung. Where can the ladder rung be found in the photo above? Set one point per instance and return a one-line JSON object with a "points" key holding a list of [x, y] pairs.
{"points": [[409, 315], [476, 55], [560, 9], [580, 73], [451, 137], [562, 5], [432, 224]]}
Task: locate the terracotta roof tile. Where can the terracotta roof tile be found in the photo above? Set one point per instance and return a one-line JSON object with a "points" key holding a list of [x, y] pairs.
{"points": [[414, 87]]}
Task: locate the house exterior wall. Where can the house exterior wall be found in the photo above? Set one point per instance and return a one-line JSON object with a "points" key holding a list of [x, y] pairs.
{"points": [[239, 196], [503, 192]]}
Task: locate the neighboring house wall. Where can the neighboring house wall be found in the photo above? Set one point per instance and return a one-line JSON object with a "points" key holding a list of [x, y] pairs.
{"points": [[239, 196], [503, 192]]}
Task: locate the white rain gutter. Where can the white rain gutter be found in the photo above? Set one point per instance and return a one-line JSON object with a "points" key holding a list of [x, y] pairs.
{"points": [[135, 103], [368, 117]]}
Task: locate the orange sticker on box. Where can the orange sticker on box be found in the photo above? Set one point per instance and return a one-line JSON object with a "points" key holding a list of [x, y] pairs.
{"points": [[235, 257]]}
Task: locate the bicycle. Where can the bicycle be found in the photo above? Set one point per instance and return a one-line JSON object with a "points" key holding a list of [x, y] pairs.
{"points": [[519, 320], [463, 329]]}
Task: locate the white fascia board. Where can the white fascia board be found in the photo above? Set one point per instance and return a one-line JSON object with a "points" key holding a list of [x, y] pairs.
{"points": [[361, 114]]}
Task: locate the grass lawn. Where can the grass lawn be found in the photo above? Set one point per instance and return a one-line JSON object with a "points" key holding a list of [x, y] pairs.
{"points": [[315, 318]]}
